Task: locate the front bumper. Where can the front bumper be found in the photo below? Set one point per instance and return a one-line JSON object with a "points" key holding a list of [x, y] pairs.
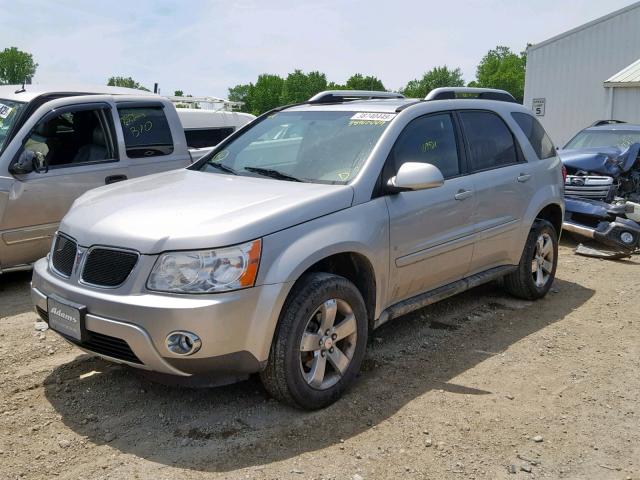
{"points": [[236, 328]]}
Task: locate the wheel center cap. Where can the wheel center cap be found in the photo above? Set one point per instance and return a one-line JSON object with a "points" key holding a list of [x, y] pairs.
{"points": [[327, 342]]}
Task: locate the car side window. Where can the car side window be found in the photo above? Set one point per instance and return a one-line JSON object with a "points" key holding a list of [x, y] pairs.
{"points": [[73, 138], [206, 137], [146, 131], [429, 139], [491, 143], [538, 138]]}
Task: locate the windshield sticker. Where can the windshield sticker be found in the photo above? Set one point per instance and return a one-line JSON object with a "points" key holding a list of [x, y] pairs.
{"points": [[344, 176], [375, 116], [5, 110], [218, 157]]}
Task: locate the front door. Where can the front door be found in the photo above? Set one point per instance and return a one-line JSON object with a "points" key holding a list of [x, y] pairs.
{"points": [[431, 231], [77, 144]]}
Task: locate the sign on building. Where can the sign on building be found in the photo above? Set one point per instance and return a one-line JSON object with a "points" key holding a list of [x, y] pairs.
{"points": [[538, 106]]}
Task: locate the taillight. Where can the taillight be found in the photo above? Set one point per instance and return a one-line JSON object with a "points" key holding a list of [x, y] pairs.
{"points": [[564, 173]]}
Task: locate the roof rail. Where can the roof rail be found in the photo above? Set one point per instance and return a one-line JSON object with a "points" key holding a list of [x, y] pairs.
{"points": [[450, 93], [597, 123], [339, 96]]}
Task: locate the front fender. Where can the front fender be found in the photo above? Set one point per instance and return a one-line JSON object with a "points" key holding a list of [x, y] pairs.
{"points": [[362, 229]]}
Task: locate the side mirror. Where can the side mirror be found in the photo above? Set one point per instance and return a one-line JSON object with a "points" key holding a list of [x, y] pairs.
{"points": [[416, 176], [29, 161]]}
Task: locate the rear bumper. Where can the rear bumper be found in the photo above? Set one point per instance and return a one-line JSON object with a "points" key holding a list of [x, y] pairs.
{"points": [[236, 328]]}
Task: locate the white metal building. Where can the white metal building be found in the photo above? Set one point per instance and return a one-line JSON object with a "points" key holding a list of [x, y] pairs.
{"points": [[586, 74]]}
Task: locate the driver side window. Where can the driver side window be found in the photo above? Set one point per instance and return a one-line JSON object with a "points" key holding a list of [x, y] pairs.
{"points": [[73, 138], [429, 139]]}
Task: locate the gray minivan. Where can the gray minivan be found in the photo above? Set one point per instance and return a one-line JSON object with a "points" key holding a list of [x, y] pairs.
{"points": [[58, 143]]}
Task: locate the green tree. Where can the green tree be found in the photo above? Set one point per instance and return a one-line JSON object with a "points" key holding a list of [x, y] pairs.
{"points": [[501, 68], [240, 93], [360, 82], [127, 82], [265, 94], [16, 66], [299, 86], [435, 78], [178, 93]]}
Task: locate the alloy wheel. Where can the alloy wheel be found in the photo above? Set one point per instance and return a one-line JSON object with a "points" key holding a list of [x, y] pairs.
{"points": [[328, 344], [543, 257]]}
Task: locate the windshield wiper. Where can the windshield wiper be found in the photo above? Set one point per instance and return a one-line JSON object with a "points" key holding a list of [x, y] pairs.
{"points": [[223, 167], [270, 172]]}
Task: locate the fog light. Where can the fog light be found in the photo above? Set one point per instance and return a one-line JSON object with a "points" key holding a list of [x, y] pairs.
{"points": [[183, 343], [626, 237]]}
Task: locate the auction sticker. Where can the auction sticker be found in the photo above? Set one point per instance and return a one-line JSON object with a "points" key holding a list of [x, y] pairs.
{"points": [[376, 116], [5, 110]]}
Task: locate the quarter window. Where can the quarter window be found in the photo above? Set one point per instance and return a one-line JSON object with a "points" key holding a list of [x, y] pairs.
{"points": [[491, 143], [146, 131], [538, 138], [429, 139]]}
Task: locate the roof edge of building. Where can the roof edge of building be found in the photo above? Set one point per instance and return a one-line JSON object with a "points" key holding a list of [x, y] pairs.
{"points": [[560, 36]]}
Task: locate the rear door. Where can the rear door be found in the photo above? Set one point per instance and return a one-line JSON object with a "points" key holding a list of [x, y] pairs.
{"points": [[153, 138], [431, 231], [76, 136], [503, 184]]}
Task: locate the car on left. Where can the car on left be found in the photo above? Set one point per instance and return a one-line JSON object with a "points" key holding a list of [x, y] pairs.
{"points": [[56, 143]]}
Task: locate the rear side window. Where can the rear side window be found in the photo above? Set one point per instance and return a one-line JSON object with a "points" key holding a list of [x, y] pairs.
{"points": [[491, 143], [206, 137], [430, 139], [146, 131], [538, 138]]}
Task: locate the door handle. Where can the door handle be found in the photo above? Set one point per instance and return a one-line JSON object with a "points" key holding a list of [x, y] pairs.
{"points": [[523, 177], [114, 178], [463, 194]]}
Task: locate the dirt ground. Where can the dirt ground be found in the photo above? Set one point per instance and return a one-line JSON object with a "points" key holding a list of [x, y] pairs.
{"points": [[479, 386]]}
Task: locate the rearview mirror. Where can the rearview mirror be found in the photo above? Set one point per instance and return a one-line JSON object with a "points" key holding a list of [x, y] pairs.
{"points": [[416, 176], [29, 161]]}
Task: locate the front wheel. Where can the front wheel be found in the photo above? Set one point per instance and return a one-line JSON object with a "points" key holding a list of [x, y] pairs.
{"points": [[319, 343], [537, 268]]}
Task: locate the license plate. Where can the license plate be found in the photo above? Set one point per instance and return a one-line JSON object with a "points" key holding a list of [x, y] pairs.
{"points": [[66, 318]]}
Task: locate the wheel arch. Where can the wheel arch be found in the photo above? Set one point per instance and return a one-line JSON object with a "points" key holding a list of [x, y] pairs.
{"points": [[553, 214]]}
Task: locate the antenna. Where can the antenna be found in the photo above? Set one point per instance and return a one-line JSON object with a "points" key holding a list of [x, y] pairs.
{"points": [[21, 89]]}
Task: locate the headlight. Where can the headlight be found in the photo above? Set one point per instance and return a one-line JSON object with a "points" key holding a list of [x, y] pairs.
{"points": [[207, 271]]}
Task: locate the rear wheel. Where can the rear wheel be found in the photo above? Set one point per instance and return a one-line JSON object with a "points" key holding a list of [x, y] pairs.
{"points": [[319, 344], [537, 268]]}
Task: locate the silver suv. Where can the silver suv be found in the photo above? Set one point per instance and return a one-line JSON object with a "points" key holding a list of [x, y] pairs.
{"points": [[278, 254]]}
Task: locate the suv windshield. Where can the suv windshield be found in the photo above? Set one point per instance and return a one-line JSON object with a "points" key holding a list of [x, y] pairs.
{"points": [[9, 111], [319, 147], [604, 138]]}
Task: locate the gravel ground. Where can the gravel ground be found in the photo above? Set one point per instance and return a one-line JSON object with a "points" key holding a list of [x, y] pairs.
{"points": [[479, 386]]}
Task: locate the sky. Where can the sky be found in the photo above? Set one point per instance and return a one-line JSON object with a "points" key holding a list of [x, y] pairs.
{"points": [[205, 47]]}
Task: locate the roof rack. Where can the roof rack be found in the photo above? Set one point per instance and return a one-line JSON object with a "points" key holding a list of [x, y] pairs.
{"points": [[339, 96], [597, 123], [450, 93]]}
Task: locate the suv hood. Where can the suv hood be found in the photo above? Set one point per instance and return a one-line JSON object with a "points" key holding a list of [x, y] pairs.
{"points": [[603, 160], [189, 210]]}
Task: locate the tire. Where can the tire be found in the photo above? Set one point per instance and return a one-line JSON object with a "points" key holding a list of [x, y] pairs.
{"points": [[289, 374], [525, 281]]}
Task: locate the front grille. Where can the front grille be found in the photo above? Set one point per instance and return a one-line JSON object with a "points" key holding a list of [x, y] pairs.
{"points": [[101, 343], [64, 255], [595, 187], [105, 267], [109, 346]]}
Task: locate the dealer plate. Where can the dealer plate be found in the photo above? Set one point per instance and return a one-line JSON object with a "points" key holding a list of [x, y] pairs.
{"points": [[66, 318]]}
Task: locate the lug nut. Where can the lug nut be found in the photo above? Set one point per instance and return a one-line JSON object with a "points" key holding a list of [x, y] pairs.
{"points": [[334, 336]]}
